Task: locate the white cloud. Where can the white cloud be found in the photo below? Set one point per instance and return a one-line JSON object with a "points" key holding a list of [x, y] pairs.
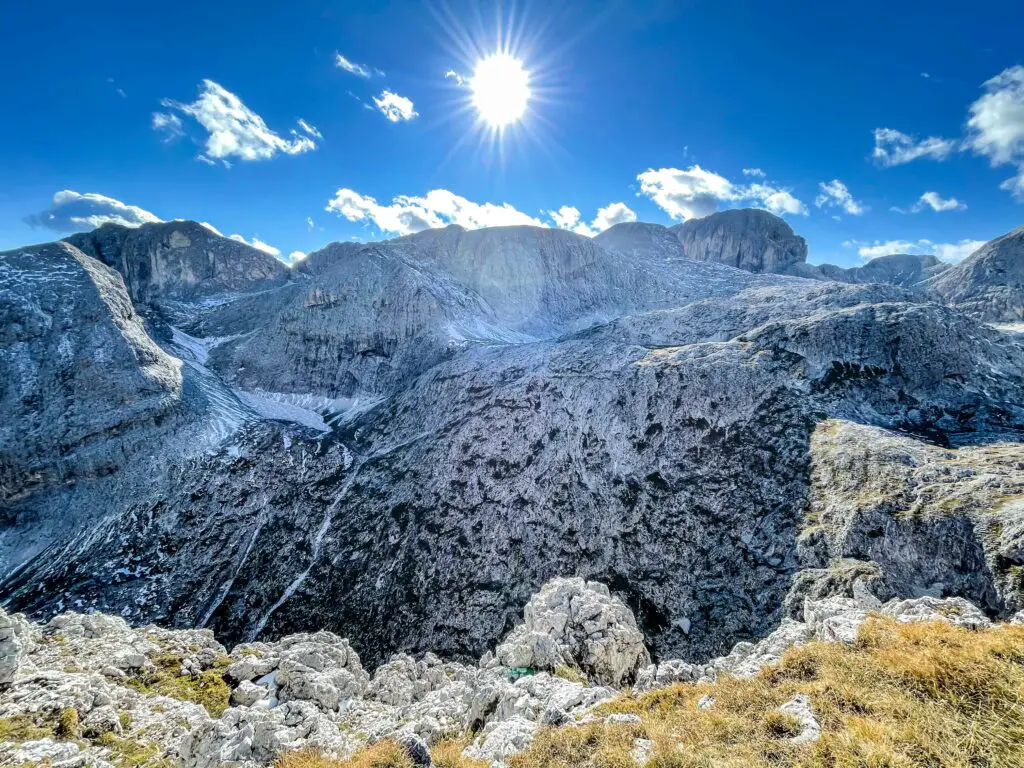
{"points": [[754, 172], [694, 192], [938, 203], [296, 256], [894, 147], [309, 223], [612, 214], [950, 252], [350, 66], [258, 245], [212, 228], [71, 211], [169, 124], [834, 194], [394, 107], [438, 208], [569, 217], [995, 128], [310, 129], [234, 129]]}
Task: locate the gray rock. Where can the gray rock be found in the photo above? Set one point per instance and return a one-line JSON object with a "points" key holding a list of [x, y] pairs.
{"points": [[989, 284], [747, 238], [799, 707], [574, 623]]}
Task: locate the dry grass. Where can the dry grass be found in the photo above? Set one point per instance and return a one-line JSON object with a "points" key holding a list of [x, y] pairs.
{"points": [[924, 695], [383, 754], [448, 754], [904, 696]]}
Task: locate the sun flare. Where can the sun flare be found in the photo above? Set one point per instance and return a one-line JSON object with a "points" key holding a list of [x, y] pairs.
{"points": [[501, 89]]}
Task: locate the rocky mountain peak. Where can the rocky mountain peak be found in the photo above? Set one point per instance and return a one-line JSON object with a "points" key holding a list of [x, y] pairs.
{"points": [[180, 260], [748, 238], [990, 282]]}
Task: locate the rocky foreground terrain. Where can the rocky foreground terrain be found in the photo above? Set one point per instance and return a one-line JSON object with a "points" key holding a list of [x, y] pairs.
{"points": [[90, 690], [401, 442]]}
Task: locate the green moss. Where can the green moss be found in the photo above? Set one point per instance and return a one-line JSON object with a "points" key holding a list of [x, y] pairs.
{"points": [[572, 674], [126, 753], [208, 688], [67, 724], [126, 720], [23, 728]]}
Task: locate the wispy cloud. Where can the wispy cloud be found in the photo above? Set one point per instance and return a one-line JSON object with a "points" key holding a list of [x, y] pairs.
{"points": [[394, 107], [359, 70], [71, 211], [233, 129], [258, 245], [754, 172], [694, 192], [438, 208], [309, 129], [894, 147], [834, 194], [938, 203]]}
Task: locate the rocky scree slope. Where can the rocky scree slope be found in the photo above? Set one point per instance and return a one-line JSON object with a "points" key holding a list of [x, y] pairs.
{"points": [[89, 690], [478, 446]]}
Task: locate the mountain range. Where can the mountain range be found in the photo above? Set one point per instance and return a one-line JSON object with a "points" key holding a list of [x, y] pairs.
{"points": [[402, 441]]}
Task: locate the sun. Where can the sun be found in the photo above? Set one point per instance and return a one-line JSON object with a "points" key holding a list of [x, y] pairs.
{"points": [[501, 89]]}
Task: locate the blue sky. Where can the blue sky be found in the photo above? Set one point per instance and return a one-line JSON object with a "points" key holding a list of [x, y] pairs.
{"points": [[652, 109]]}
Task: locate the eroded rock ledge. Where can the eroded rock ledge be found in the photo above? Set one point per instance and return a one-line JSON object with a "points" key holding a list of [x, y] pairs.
{"points": [[88, 690]]}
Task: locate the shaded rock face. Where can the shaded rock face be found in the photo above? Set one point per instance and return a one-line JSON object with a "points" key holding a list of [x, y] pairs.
{"points": [[911, 518], [82, 386], [179, 260], [988, 285], [748, 238]]}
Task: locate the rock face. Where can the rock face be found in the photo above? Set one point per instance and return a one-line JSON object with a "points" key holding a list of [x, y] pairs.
{"points": [[180, 260], [88, 689], [82, 385], [989, 285], [748, 238]]}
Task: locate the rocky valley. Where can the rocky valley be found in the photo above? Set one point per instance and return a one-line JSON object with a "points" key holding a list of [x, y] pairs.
{"points": [[682, 451]]}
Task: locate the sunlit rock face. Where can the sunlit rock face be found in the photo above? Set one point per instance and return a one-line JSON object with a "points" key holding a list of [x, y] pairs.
{"points": [[989, 284], [747, 238], [405, 440]]}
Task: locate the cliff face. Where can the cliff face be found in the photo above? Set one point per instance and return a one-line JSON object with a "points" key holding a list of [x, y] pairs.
{"points": [[747, 238]]}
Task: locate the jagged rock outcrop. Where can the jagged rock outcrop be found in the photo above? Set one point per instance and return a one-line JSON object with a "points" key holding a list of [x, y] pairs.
{"points": [[180, 260], [747, 238], [578, 625], [82, 386], [89, 690], [989, 284]]}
